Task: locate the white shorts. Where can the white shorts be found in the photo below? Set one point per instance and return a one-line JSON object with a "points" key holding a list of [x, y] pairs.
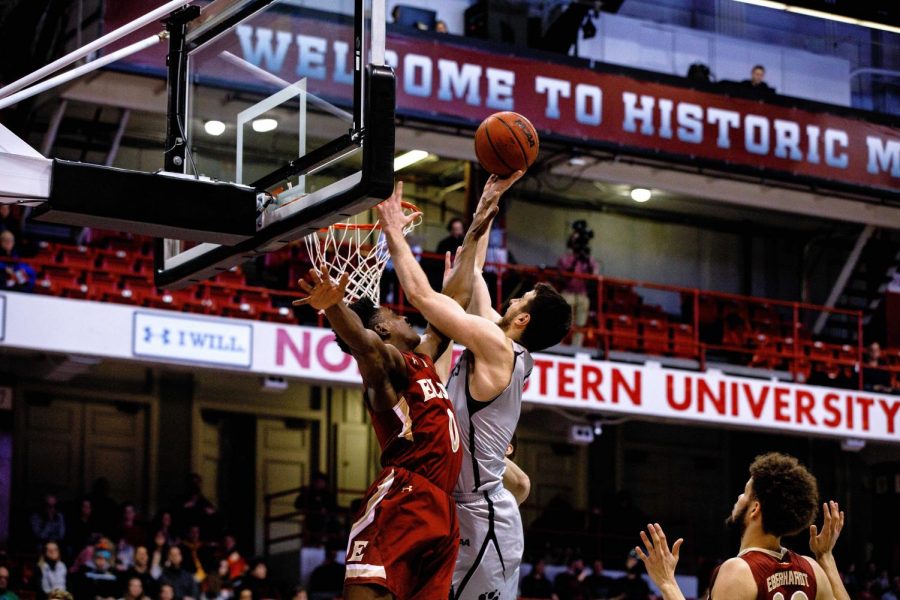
{"points": [[491, 543]]}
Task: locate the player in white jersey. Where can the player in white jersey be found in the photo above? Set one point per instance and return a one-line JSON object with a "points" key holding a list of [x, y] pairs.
{"points": [[486, 389]]}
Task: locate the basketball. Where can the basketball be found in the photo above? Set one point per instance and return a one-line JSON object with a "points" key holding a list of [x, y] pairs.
{"points": [[506, 142]]}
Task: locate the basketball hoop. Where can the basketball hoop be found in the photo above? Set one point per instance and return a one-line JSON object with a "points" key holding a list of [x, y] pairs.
{"points": [[358, 249]]}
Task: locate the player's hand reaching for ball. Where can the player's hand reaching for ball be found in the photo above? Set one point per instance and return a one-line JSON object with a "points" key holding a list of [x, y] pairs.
{"points": [[822, 542], [659, 560], [496, 186], [390, 212], [323, 292]]}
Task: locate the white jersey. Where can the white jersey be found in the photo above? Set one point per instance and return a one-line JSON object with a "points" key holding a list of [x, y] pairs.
{"points": [[486, 428], [490, 528]]}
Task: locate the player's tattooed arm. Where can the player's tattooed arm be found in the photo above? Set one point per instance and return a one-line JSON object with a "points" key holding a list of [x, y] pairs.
{"points": [[376, 359]]}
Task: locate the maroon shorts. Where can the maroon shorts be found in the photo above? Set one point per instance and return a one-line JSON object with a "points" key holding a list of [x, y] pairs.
{"points": [[406, 538]]}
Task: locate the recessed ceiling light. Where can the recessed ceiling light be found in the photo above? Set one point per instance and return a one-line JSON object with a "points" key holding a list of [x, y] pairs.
{"points": [[640, 194], [409, 158], [214, 127], [264, 125]]}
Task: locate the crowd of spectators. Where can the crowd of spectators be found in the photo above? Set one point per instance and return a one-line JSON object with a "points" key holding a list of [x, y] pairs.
{"points": [[97, 548]]}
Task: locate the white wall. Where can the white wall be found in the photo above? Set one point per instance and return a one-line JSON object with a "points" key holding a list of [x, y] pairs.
{"points": [[630, 248]]}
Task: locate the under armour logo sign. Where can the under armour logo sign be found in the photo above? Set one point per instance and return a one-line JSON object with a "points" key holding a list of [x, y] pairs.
{"points": [[464, 542], [149, 335], [407, 488]]}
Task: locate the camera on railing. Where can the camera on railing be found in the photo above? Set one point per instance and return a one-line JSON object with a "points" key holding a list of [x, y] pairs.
{"points": [[581, 238]]}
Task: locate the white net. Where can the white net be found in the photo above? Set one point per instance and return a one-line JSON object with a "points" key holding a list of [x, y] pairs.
{"points": [[358, 249]]}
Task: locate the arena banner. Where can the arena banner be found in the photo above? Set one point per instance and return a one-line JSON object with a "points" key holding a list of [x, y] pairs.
{"points": [[451, 79], [580, 383]]}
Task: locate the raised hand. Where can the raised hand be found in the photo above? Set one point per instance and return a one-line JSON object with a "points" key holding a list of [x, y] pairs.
{"points": [[659, 560], [390, 212], [449, 261], [323, 292], [822, 543], [496, 186]]}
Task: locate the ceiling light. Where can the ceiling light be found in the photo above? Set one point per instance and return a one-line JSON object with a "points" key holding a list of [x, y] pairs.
{"points": [[578, 161], [640, 194], [822, 15], [264, 125], [409, 158], [214, 127]]}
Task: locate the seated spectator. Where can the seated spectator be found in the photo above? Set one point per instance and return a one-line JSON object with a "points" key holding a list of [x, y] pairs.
{"points": [[257, 582], [632, 586], [216, 583], [140, 568], [48, 524], [105, 510], [318, 505], [457, 231], [166, 592], [5, 592], [194, 508], [131, 530], [163, 524], [53, 571], [175, 575], [299, 593], [601, 587], [570, 585], [756, 82], [327, 579], [80, 527], [98, 581], [237, 566], [195, 547], [441, 27], [134, 589], [876, 378], [60, 595], [536, 584], [10, 220]]}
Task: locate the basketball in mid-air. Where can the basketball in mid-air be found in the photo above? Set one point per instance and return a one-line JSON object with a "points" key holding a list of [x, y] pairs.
{"points": [[506, 142]]}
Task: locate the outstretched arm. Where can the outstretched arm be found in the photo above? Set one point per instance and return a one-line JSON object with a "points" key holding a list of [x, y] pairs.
{"points": [[441, 311], [660, 561], [375, 358], [459, 277], [822, 543]]}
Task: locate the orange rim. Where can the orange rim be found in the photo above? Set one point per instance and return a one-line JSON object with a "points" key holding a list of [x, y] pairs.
{"points": [[412, 208]]}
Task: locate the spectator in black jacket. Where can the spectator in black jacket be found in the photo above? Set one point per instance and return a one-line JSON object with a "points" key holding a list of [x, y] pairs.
{"points": [[536, 584], [182, 582], [98, 582]]}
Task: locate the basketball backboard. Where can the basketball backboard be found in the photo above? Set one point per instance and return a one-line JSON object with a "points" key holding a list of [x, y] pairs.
{"points": [[292, 102], [280, 121]]}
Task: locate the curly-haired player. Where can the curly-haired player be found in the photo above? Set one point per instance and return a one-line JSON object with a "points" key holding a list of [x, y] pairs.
{"points": [[780, 498]]}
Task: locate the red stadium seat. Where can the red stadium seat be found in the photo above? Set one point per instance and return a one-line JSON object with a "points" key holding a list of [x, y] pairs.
{"points": [[655, 336], [683, 344], [80, 257], [624, 332]]}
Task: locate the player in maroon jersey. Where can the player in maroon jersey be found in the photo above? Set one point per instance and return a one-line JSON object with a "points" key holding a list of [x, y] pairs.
{"points": [[779, 499], [404, 542]]}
